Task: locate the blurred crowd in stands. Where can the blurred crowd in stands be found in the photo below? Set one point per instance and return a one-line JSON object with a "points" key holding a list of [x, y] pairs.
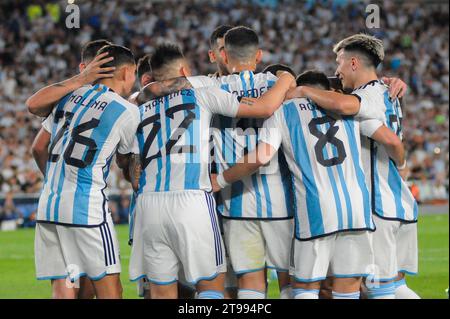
{"points": [[36, 48]]}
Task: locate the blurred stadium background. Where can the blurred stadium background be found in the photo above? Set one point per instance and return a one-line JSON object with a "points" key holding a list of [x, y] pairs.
{"points": [[36, 48]]}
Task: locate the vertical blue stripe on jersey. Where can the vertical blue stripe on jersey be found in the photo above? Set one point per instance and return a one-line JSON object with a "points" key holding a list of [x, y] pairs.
{"points": [[247, 144], [337, 199], [376, 187], [52, 192], [192, 168], [225, 87], [141, 142], [267, 195], [100, 134], [288, 185], [77, 122], [168, 133], [270, 84], [350, 129], [59, 108], [395, 184], [299, 147], [160, 144]]}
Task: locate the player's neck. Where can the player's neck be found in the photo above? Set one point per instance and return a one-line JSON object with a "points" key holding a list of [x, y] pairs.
{"points": [[113, 85], [365, 78], [239, 67]]}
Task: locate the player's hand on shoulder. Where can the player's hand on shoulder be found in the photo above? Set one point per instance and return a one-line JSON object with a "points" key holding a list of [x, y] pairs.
{"points": [[214, 184], [397, 88], [296, 92], [94, 70]]}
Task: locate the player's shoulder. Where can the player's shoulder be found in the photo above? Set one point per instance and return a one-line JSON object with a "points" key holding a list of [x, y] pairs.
{"points": [[115, 100], [372, 87]]}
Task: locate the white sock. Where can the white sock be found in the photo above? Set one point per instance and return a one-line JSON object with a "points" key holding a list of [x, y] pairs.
{"points": [[351, 295], [402, 291], [210, 294], [250, 294], [286, 292], [305, 293], [383, 291]]}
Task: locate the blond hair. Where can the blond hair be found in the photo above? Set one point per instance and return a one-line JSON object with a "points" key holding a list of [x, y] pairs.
{"points": [[369, 45]]}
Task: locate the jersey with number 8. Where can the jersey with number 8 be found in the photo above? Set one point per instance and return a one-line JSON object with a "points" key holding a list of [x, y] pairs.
{"points": [[323, 152], [86, 127]]}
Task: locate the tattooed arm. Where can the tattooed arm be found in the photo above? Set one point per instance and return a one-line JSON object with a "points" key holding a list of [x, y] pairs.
{"points": [[135, 170], [42, 102], [161, 88]]}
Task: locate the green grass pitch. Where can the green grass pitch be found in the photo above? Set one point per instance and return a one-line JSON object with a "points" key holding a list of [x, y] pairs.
{"points": [[17, 263]]}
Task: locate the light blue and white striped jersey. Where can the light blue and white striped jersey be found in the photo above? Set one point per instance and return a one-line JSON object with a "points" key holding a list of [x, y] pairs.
{"points": [[173, 139], [324, 156], [267, 194], [87, 128], [391, 196]]}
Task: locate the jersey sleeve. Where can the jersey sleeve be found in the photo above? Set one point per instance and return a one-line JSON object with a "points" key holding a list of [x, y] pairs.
{"points": [[202, 81], [218, 101], [128, 131], [369, 127], [270, 133], [371, 104], [47, 123]]}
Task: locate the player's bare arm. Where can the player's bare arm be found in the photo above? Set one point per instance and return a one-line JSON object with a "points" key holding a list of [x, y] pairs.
{"points": [[339, 103], [39, 149], [123, 162], [42, 102], [161, 88], [245, 166], [392, 144], [135, 169], [269, 102]]}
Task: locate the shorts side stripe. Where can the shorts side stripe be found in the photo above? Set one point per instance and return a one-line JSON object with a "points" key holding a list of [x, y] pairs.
{"points": [[104, 245], [112, 244], [215, 217], [108, 248], [218, 248], [212, 224]]}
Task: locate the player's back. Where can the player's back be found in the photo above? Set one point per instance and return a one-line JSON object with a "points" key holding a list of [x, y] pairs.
{"points": [[391, 196], [174, 136], [267, 193], [323, 152], [86, 128]]}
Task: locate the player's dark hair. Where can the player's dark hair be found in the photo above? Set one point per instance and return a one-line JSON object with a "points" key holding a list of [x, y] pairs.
{"points": [[165, 54], [143, 66], [90, 49], [274, 68], [218, 33], [121, 55], [241, 37], [313, 78], [241, 42]]}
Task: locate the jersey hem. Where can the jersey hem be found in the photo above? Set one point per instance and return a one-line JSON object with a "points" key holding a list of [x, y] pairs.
{"points": [[256, 218], [69, 225], [396, 219], [336, 232]]}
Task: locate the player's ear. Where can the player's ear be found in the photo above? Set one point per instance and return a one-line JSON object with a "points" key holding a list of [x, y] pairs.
{"points": [[354, 63], [224, 56], [145, 79], [81, 66], [259, 56], [212, 56]]}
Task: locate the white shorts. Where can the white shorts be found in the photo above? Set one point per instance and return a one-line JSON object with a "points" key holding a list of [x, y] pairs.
{"points": [[74, 252], [342, 255], [173, 231], [395, 248], [255, 244]]}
